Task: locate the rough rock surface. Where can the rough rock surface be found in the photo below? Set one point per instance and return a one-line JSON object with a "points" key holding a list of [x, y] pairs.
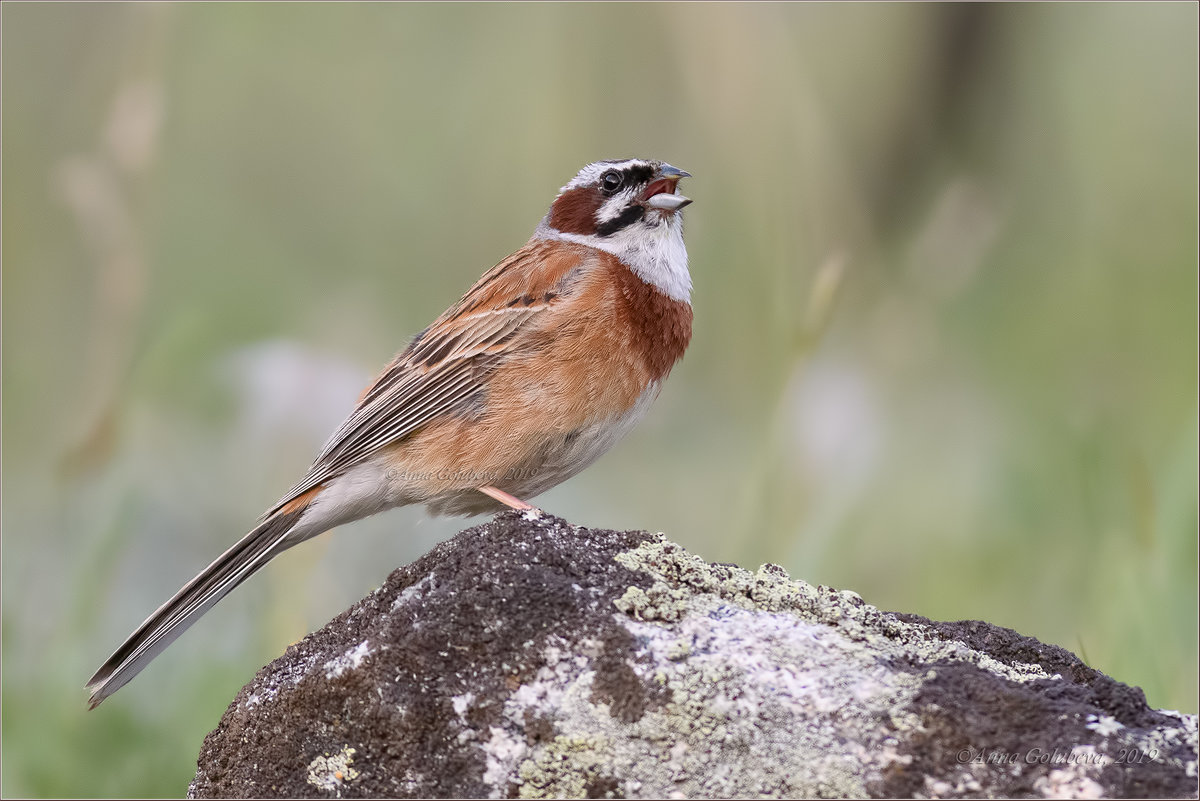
{"points": [[528, 657]]}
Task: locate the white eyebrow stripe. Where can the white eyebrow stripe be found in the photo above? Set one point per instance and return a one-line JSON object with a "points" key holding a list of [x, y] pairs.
{"points": [[591, 173]]}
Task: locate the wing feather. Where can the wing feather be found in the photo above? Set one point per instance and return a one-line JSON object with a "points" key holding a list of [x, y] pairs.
{"points": [[444, 369]]}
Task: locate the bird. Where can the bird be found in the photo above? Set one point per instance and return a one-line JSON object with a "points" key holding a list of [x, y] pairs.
{"points": [[542, 366]]}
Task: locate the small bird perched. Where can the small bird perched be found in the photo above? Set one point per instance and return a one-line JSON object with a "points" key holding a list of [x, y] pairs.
{"points": [[545, 363]]}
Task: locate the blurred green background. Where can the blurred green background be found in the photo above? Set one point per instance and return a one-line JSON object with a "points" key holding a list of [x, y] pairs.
{"points": [[945, 266]]}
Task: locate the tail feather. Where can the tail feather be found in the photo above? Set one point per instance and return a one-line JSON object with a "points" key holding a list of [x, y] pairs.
{"points": [[251, 552]]}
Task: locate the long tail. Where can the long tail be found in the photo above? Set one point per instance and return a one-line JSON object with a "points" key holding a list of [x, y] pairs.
{"points": [[265, 542]]}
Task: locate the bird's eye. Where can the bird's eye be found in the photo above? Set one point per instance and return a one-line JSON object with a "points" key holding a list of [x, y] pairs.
{"points": [[610, 182]]}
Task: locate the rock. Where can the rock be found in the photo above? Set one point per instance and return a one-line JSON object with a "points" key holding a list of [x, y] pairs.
{"points": [[528, 657]]}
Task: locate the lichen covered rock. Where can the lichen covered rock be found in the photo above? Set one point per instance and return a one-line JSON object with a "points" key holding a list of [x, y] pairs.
{"points": [[532, 658]]}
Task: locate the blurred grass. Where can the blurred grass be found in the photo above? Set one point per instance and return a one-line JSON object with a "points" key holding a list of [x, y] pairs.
{"points": [[945, 351]]}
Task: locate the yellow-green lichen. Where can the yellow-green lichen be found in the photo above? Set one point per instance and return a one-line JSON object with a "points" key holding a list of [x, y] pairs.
{"points": [[566, 767], [330, 772], [685, 584], [679, 576]]}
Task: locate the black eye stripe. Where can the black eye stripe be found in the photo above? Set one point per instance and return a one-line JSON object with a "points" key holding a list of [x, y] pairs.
{"points": [[626, 218], [632, 175]]}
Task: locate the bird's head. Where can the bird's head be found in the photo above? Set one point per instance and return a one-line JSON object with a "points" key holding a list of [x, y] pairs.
{"points": [[630, 208], [609, 197]]}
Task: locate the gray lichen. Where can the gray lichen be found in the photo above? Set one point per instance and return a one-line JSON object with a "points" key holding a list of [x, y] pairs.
{"points": [[742, 657]]}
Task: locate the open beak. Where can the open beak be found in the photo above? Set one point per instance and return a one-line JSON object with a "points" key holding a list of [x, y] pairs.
{"points": [[660, 194]]}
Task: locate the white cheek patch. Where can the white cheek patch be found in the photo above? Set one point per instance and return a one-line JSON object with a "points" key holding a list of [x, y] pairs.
{"points": [[613, 207]]}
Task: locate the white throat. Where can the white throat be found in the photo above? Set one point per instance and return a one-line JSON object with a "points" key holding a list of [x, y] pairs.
{"points": [[655, 253]]}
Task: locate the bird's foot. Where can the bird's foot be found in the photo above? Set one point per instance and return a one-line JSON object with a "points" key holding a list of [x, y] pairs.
{"points": [[510, 501]]}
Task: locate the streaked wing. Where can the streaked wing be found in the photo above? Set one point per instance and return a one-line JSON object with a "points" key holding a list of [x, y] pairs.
{"points": [[445, 367]]}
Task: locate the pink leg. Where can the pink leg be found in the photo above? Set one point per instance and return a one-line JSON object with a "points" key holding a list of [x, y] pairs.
{"points": [[507, 500]]}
